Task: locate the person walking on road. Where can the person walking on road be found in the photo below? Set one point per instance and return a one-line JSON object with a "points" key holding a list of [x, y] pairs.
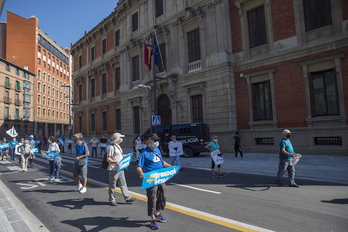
{"points": [[80, 163], [54, 168], [115, 155], [32, 144], [150, 160], [237, 145], [24, 149], [5, 150], [175, 151], [213, 146], [286, 153], [94, 143], [103, 142], [13, 145]]}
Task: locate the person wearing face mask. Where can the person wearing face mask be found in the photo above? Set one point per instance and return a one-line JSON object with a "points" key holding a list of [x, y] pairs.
{"points": [[175, 151], [5, 150], [286, 153], [212, 146], [32, 145], [54, 164], [115, 155], [150, 160]]}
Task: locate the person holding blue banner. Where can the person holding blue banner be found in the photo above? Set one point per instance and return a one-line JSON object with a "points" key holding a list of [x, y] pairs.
{"points": [[55, 160], [13, 145], [151, 160], [5, 149], [115, 155]]}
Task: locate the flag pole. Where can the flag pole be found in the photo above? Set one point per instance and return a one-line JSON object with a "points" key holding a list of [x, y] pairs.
{"points": [[154, 76]]}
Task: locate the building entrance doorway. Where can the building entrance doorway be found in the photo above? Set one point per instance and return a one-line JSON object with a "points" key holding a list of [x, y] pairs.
{"points": [[163, 108]]}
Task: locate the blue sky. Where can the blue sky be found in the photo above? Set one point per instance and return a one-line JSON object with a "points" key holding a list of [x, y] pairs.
{"points": [[65, 21]]}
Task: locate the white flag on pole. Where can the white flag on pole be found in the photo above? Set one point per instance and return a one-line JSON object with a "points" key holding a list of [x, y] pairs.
{"points": [[12, 132]]}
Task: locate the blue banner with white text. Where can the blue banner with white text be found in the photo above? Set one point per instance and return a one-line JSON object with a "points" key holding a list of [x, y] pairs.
{"points": [[124, 163], [4, 145], [158, 177]]}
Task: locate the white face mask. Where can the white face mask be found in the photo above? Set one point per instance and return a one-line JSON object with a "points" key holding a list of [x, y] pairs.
{"points": [[215, 140], [155, 144], [50, 141], [121, 140]]}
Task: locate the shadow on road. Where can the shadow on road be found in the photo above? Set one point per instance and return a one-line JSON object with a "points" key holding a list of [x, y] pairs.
{"points": [[101, 223], [342, 201], [76, 203]]}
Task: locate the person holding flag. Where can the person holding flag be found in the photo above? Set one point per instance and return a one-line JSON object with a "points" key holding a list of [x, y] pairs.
{"points": [[150, 160], [115, 155], [54, 169]]}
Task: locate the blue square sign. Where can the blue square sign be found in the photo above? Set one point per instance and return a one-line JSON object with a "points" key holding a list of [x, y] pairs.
{"points": [[156, 120]]}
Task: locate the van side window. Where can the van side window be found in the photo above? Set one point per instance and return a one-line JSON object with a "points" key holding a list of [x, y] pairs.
{"points": [[185, 130]]}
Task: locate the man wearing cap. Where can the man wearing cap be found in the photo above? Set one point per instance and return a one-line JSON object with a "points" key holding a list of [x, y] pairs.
{"points": [[286, 153], [32, 143], [150, 160], [115, 155]]}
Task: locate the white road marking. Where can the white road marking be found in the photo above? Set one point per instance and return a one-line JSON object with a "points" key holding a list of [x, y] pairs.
{"points": [[195, 188]]}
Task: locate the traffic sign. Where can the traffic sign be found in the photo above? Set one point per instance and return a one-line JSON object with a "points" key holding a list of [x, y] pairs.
{"points": [[156, 120], [70, 127]]}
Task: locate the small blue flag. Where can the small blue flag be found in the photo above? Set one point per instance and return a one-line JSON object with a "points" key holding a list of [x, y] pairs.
{"points": [[124, 163]]}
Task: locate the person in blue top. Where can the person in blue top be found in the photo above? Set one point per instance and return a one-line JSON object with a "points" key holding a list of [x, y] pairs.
{"points": [[80, 163], [150, 160], [13, 144], [286, 153], [212, 146]]}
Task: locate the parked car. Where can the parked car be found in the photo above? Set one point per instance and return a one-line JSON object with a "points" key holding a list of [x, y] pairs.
{"points": [[193, 136]]}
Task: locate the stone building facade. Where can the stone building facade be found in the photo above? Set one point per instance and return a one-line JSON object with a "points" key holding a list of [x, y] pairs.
{"points": [[236, 65], [194, 38]]}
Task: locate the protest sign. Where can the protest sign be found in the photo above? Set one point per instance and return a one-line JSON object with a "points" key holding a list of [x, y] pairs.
{"points": [[158, 177], [175, 148], [124, 163], [4, 145]]}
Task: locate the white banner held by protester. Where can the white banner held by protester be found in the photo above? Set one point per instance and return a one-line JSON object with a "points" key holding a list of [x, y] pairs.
{"points": [[175, 148], [216, 158]]}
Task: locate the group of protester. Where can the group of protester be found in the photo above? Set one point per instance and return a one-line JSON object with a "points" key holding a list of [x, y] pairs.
{"points": [[149, 160]]}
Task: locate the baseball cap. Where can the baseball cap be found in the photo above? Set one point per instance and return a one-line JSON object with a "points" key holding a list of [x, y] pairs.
{"points": [[287, 131], [116, 136]]}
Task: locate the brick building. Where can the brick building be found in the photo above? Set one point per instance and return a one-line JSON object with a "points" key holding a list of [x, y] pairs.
{"points": [[27, 46], [291, 71], [236, 65], [16, 98]]}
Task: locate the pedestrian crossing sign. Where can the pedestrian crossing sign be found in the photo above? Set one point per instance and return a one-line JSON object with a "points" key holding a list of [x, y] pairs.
{"points": [[156, 120]]}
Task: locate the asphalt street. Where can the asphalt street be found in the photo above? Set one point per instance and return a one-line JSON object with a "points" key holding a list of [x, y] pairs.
{"points": [[246, 200]]}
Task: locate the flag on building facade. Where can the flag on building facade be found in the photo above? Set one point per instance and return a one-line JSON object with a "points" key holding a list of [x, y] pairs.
{"points": [[148, 52]]}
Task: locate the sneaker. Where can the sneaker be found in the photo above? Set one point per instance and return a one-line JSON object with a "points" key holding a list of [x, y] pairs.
{"points": [[130, 200], [83, 190], [56, 180], [50, 179], [78, 188], [113, 203], [294, 185], [222, 175], [279, 184], [154, 225], [160, 218], [214, 176]]}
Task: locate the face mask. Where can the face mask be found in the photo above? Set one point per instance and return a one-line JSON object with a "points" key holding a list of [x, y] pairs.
{"points": [[49, 141], [288, 136], [121, 140], [215, 140], [22, 141], [138, 138], [155, 144]]}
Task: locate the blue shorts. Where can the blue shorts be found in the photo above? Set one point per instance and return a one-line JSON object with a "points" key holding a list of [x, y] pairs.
{"points": [[80, 171]]}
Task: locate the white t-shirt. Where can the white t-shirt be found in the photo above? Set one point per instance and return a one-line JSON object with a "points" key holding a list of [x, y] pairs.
{"points": [[53, 147], [115, 152]]}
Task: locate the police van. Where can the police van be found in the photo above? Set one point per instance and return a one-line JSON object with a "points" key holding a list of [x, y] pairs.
{"points": [[194, 137]]}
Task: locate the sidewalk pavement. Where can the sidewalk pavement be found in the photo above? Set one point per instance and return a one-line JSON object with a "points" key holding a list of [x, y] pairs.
{"points": [[15, 217]]}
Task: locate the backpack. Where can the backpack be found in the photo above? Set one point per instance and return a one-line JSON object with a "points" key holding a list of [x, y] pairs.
{"points": [[105, 163]]}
